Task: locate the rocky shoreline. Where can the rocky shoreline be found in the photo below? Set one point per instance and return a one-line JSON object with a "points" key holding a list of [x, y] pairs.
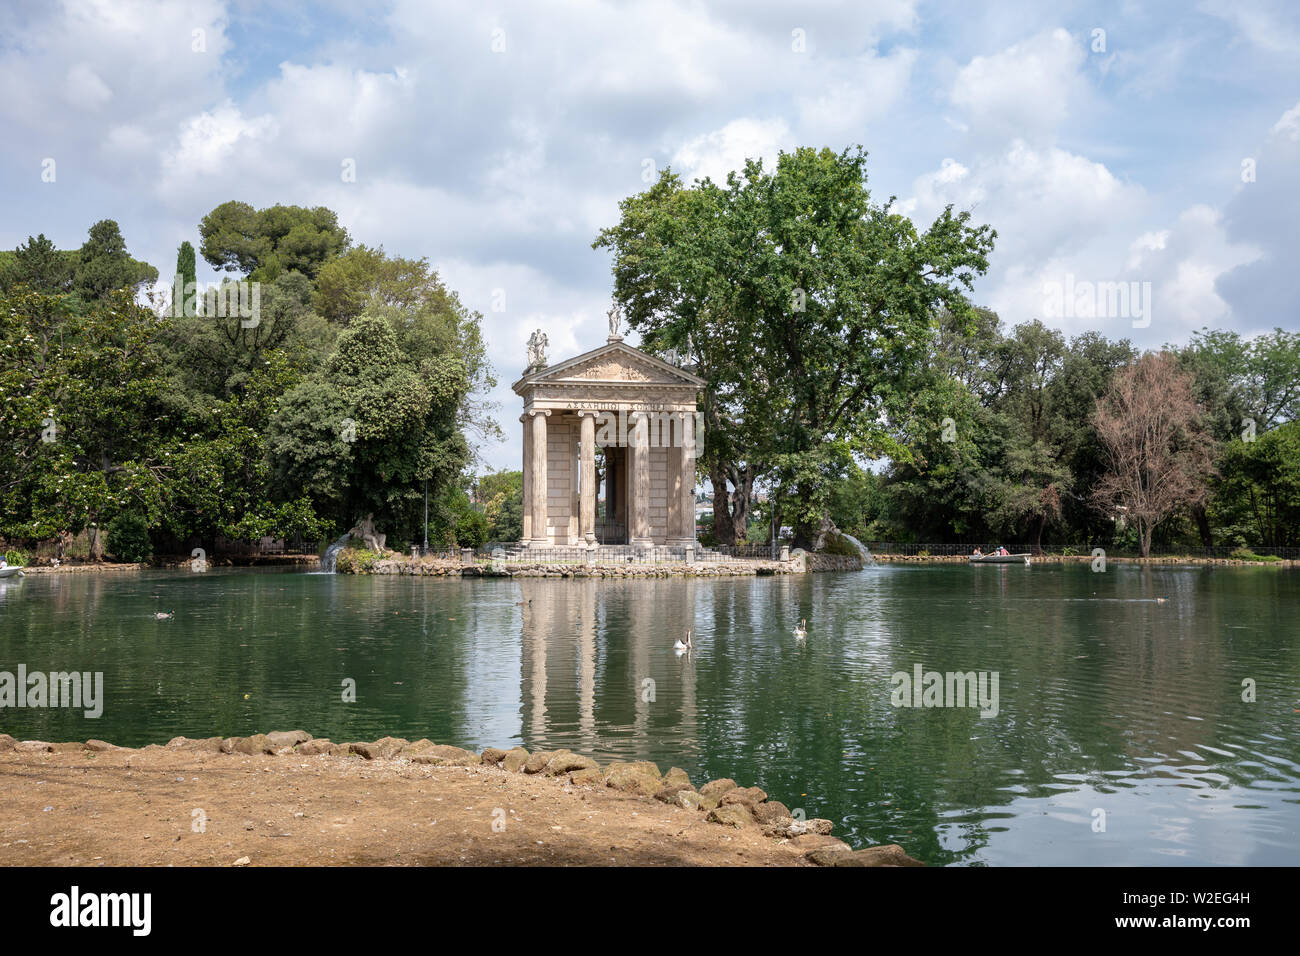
{"points": [[1085, 559], [638, 789], [800, 563]]}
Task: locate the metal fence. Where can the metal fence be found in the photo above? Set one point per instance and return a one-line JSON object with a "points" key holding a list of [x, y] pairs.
{"points": [[166, 543], [765, 550]]}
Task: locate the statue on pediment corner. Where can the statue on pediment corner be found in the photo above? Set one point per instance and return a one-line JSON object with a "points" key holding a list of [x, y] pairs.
{"points": [[537, 350]]}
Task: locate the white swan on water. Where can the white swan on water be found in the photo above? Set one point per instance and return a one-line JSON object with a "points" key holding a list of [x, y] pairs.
{"points": [[679, 646], [801, 632]]}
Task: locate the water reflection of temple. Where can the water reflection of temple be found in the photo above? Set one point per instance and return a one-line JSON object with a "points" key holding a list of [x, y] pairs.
{"points": [[586, 657]]}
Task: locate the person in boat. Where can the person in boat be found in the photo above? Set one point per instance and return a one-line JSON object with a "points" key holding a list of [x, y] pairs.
{"points": [[978, 553], [1003, 551]]}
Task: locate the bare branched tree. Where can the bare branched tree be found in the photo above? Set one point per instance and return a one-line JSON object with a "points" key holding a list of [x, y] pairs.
{"points": [[1158, 454]]}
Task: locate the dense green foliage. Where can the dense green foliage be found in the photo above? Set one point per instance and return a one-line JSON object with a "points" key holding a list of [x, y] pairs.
{"points": [[502, 496], [87, 275], [128, 538], [831, 333], [804, 305], [1020, 455], [263, 243], [289, 424]]}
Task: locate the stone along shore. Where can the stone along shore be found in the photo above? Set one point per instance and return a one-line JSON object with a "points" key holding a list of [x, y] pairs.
{"points": [[286, 798], [799, 563]]}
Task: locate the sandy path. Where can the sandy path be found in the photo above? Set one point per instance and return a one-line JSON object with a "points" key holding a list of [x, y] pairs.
{"points": [[138, 808]]}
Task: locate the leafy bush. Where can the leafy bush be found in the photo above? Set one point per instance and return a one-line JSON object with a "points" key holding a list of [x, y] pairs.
{"points": [[1245, 554], [16, 558], [128, 538], [471, 529], [353, 560]]}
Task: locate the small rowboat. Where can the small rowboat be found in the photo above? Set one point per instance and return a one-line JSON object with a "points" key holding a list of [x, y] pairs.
{"points": [[11, 572], [999, 559]]}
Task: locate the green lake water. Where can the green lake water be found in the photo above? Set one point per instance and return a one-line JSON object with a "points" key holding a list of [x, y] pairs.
{"points": [[1112, 708]]}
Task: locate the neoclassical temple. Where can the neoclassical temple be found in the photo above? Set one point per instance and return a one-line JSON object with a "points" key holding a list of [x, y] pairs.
{"points": [[633, 411]]}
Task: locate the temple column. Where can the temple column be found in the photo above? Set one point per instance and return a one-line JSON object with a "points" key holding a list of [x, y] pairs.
{"points": [[638, 499], [574, 529], [686, 469], [537, 479], [528, 484], [587, 507], [681, 484]]}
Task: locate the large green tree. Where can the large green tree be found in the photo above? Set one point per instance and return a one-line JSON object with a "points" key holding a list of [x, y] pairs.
{"points": [[103, 265], [39, 266], [806, 307], [262, 243], [366, 433], [80, 423], [1257, 496]]}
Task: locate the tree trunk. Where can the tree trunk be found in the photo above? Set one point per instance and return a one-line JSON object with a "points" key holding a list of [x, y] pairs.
{"points": [[742, 499], [731, 508], [724, 529], [1203, 526]]}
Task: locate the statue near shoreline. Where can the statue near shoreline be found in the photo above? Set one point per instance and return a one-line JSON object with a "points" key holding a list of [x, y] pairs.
{"points": [[365, 530]]}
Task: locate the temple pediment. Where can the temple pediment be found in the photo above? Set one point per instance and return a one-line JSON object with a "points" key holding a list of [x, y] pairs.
{"points": [[611, 364]]}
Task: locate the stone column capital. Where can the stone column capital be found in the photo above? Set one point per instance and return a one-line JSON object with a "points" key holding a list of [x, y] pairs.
{"points": [[537, 411]]}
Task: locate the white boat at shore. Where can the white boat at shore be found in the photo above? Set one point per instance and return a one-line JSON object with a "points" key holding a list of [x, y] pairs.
{"points": [[11, 572], [999, 559]]}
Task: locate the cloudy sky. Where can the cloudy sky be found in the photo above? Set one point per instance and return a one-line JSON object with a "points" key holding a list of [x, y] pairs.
{"points": [[1106, 142]]}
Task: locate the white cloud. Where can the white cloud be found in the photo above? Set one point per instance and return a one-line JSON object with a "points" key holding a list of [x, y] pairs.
{"points": [[84, 88], [717, 153], [1025, 90], [214, 142], [501, 168], [850, 95], [1289, 124], [1261, 24], [1063, 218]]}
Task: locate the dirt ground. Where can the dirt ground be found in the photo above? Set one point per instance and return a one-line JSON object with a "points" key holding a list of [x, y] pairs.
{"points": [[169, 806]]}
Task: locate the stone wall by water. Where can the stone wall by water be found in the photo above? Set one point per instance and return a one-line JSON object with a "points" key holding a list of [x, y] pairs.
{"points": [[799, 563]]}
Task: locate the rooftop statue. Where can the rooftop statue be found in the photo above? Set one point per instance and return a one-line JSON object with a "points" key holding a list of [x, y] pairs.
{"points": [[537, 349]]}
